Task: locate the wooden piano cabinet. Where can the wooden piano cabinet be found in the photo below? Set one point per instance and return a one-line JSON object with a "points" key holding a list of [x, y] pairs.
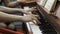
{"points": [[33, 28], [50, 19]]}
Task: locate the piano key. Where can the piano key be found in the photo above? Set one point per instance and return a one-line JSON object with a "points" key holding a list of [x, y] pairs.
{"points": [[35, 29]]}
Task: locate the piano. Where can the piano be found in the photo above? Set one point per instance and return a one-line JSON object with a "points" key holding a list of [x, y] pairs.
{"points": [[47, 21]]}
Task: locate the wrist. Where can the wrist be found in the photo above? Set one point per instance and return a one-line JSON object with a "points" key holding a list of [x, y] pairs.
{"points": [[20, 18], [22, 11], [23, 18]]}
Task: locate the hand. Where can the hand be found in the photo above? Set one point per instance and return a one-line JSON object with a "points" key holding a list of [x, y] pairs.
{"points": [[31, 18], [27, 11]]}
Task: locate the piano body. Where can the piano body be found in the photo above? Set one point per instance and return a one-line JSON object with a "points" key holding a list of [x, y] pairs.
{"points": [[49, 24]]}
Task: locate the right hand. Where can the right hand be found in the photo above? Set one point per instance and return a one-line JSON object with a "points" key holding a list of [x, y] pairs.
{"points": [[30, 18]]}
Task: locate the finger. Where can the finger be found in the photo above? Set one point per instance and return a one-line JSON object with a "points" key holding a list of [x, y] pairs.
{"points": [[34, 22], [34, 7], [37, 16], [38, 22], [32, 10], [28, 13]]}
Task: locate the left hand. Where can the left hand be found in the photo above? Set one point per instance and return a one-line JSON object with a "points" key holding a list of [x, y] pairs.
{"points": [[29, 10]]}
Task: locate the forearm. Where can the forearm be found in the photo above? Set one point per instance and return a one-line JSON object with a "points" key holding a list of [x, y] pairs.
{"points": [[9, 17], [10, 10], [12, 4], [8, 3]]}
